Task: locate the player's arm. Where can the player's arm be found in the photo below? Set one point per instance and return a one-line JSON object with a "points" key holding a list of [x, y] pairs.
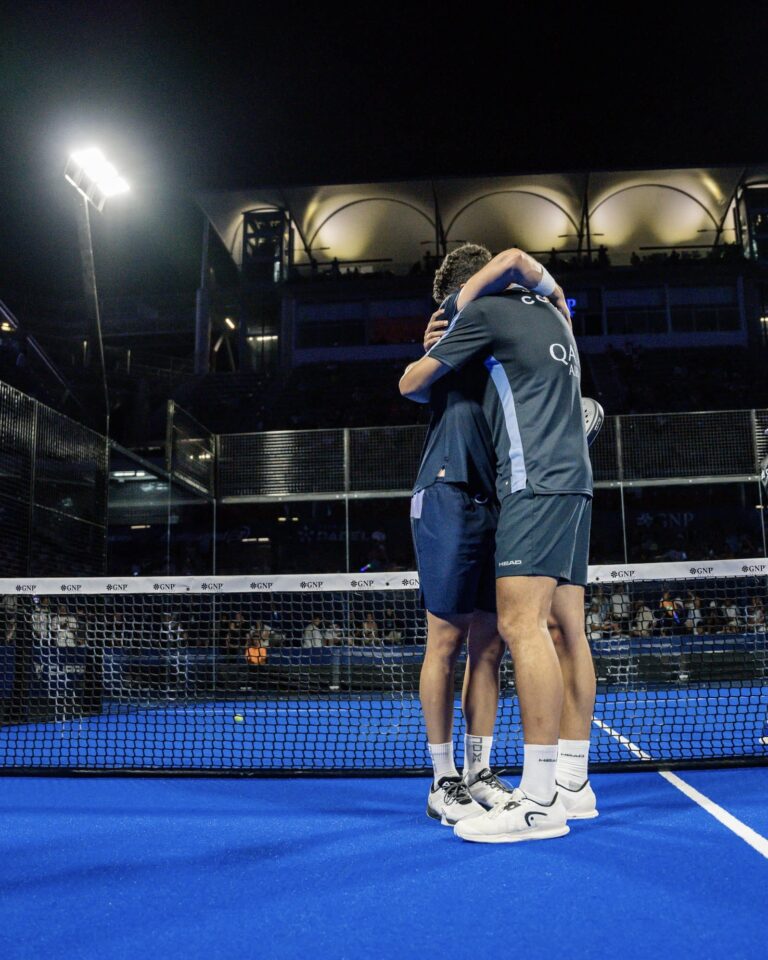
{"points": [[469, 336], [514, 266], [419, 377]]}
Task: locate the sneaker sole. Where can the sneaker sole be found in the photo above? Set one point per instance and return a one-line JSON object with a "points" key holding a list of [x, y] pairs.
{"points": [[434, 815], [590, 815], [540, 834], [440, 817]]}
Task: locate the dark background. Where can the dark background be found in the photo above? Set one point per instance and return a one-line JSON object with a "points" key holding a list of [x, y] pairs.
{"points": [[240, 96]]}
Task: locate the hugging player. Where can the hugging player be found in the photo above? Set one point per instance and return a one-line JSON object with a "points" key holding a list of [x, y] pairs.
{"points": [[507, 420]]}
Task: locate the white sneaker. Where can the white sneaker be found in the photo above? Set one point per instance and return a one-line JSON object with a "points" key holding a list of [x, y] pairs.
{"points": [[579, 804], [519, 819], [450, 801], [487, 789]]}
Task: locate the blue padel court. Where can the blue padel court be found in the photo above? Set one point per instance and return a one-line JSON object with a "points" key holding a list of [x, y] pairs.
{"points": [[667, 723], [208, 868]]}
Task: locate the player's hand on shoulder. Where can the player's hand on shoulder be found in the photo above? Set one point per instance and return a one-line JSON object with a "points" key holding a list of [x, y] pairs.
{"points": [[435, 328], [558, 301]]}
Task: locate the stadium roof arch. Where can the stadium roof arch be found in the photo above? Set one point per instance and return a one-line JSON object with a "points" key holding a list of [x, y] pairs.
{"points": [[394, 224]]}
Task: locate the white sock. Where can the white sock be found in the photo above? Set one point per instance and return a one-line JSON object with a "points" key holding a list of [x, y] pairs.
{"points": [[442, 760], [572, 761], [539, 763], [477, 753]]}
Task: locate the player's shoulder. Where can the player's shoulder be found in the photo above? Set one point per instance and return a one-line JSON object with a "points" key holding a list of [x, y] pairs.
{"points": [[495, 306], [449, 306]]}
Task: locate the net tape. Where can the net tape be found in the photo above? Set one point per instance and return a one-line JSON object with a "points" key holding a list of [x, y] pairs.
{"points": [[374, 582]]}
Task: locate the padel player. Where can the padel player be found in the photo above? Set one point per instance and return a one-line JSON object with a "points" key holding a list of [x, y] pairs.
{"points": [[544, 484], [454, 515], [453, 518]]}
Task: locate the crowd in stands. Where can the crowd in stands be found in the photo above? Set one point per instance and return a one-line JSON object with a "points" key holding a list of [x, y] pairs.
{"points": [[633, 610], [670, 613], [557, 262]]}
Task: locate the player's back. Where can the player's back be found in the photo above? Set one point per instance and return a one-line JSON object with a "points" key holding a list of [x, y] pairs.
{"points": [[532, 398]]}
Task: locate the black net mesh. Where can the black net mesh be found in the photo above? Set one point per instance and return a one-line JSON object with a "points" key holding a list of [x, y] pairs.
{"points": [[321, 673]]}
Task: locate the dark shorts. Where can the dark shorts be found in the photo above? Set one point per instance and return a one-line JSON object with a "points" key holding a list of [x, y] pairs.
{"points": [[545, 535], [454, 539]]}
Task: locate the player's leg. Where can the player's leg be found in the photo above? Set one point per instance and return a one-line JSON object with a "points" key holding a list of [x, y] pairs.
{"points": [[480, 695], [534, 543], [449, 799], [566, 627], [534, 811], [445, 554], [524, 606], [578, 672], [480, 700], [446, 634]]}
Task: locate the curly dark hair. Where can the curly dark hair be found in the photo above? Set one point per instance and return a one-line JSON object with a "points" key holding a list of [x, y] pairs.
{"points": [[459, 265]]}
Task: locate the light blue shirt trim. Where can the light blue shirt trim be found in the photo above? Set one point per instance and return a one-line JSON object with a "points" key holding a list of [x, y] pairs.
{"points": [[518, 475]]}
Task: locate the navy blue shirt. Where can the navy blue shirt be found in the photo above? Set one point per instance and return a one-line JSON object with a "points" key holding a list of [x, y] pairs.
{"points": [[532, 399], [459, 438]]}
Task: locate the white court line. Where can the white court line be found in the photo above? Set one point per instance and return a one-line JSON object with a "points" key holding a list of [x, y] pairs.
{"points": [[747, 834]]}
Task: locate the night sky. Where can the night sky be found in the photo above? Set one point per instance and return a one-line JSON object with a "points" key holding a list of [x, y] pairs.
{"points": [[184, 101]]}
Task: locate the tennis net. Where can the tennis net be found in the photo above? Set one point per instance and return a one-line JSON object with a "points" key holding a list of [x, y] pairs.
{"points": [[319, 673]]}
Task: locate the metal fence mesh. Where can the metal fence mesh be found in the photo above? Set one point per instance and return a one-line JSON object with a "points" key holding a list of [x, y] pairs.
{"points": [[282, 462], [71, 464], [384, 459], [604, 452], [53, 490], [17, 426], [637, 449], [192, 450], [761, 434], [714, 444]]}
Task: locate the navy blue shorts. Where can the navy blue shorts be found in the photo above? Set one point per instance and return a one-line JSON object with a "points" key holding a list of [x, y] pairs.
{"points": [[545, 535], [454, 536]]}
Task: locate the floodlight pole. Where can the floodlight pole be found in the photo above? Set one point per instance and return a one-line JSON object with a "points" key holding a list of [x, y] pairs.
{"points": [[91, 292]]}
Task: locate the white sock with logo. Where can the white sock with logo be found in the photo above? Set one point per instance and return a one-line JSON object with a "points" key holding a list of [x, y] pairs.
{"points": [[572, 763], [539, 765], [442, 760], [477, 754]]}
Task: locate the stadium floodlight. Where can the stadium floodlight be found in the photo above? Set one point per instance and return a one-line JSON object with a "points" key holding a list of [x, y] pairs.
{"points": [[93, 176], [95, 179]]}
